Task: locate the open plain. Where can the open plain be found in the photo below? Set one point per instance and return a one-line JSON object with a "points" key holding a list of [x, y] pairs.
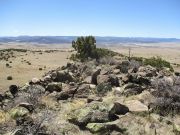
{"points": [[27, 65]]}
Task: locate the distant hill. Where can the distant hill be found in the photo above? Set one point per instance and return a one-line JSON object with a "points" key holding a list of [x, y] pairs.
{"points": [[100, 40]]}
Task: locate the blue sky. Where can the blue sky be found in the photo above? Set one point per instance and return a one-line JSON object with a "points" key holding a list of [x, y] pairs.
{"points": [[124, 18]]}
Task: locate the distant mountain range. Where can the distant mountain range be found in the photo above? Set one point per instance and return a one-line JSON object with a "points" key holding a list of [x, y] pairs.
{"points": [[68, 39]]}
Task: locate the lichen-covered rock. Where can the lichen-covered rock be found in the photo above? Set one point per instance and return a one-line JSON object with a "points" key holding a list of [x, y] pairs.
{"points": [[92, 112], [18, 112], [101, 128]]}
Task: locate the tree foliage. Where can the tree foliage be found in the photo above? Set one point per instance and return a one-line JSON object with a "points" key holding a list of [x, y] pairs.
{"points": [[85, 47]]}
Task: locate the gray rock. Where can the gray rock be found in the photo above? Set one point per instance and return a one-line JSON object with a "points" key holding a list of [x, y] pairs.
{"points": [[132, 89], [111, 79], [92, 112], [54, 86], [136, 106], [63, 76], [83, 91], [63, 95], [94, 76], [101, 128], [118, 108], [88, 79], [13, 89], [28, 106], [94, 98]]}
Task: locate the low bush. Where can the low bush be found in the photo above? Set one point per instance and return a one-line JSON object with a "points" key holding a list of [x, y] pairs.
{"points": [[158, 63], [167, 93], [103, 88], [9, 78]]}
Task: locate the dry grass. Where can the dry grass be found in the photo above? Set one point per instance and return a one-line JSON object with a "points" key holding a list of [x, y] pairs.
{"points": [[22, 71]]}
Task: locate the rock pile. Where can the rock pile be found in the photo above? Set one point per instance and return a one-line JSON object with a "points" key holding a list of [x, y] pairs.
{"points": [[91, 98]]}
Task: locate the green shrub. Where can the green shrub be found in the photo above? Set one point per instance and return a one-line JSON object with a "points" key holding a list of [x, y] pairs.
{"points": [[103, 88], [139, 59], [102, 52], [86, 48], [9, 78], [158, 63], [13, 49]]}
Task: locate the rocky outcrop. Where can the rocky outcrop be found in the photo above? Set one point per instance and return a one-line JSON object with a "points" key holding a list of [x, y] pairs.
{"points": [[92, 98]]}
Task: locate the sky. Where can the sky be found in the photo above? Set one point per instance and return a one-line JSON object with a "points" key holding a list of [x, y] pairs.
{"points": [[121, 18]]}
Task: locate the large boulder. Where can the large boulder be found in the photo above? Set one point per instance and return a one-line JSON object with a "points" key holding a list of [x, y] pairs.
{"points": [[93, 112], [63, 76], [136, 106], [118, 108], [13, 89], [54, 86], [38, 89], [139, 79], [103, 79], [94, 76], [63, 95], [132, 89], [68, 91], [147, 71], [97, 112], [112, 79], [83, 91]]}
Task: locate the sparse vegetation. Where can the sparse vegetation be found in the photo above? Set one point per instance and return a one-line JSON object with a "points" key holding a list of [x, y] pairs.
{"points": [[167, 96], [9, 77], [13, 49], [157, 62]]}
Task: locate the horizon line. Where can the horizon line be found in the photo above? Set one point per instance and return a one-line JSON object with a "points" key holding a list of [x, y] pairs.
{"points": [[88, 35]]}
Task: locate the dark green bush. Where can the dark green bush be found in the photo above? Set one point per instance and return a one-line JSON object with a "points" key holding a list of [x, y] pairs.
{"points": [[158, 63], [86, 48], [102, 52], [103, 88], [9, 78], [13, 49]]}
